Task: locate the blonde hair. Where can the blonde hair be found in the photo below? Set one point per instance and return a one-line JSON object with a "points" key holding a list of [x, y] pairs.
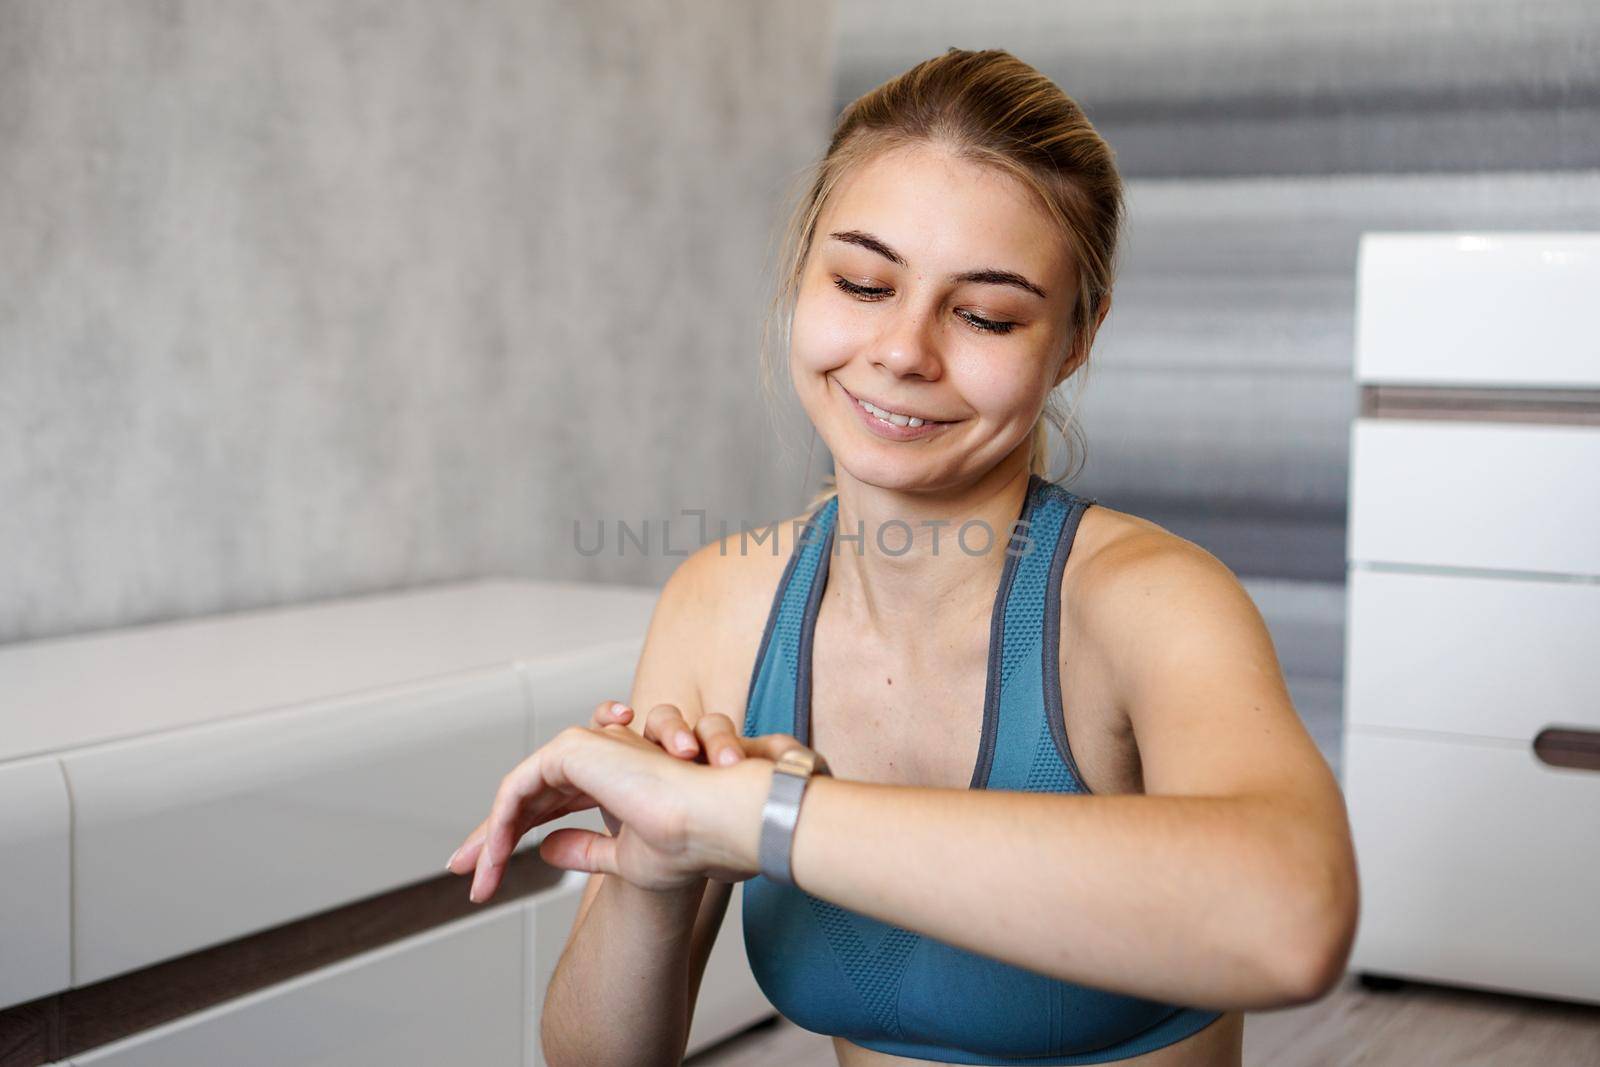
{"points": [[991, 108]]}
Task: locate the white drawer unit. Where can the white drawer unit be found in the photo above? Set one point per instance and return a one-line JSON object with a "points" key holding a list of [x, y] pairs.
{"points": [[1496, 309], [450, 995], [211, 828], [1484, 656], [1475, 495], [35, 918], [1477, 861], [200, 836], [1472, 671], [564, 691]]}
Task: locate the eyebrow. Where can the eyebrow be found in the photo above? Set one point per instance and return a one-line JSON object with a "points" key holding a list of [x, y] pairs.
{"points": [[984, 275]]}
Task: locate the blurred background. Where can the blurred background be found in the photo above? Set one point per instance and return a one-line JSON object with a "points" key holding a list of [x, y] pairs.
{"points": [[306, 301]]}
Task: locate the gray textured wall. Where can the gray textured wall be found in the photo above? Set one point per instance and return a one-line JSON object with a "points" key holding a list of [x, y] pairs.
{"points": [[1259, 139], [301, 300]]}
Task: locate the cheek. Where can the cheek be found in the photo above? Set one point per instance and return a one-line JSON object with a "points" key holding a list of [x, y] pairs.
{"points": [[997, 388], [823, 335]]}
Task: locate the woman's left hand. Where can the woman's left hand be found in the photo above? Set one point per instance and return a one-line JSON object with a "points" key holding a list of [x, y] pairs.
{"points": [[679, 821], [714, 738]]}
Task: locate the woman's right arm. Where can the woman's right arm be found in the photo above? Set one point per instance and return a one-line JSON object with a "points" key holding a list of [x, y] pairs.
{"points": [[620, 992], [623, 990]]}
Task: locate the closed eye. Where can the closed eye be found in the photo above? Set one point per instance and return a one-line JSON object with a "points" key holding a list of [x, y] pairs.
{"points": [[870, 293]]}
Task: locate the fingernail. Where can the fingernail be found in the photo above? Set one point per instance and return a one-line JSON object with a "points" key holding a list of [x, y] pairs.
{"points": [[727, 756], [622, 709], [451, 861], [684, 741]]}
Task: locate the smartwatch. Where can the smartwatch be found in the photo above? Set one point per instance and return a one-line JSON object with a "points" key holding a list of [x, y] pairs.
{"points": [[790, 775]]}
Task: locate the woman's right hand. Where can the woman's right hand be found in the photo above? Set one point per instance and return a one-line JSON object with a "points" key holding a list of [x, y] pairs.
{"points": [[713, 739]]}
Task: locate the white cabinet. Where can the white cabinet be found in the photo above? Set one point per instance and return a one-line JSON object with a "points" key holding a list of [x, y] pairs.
{"points": [[1471, 495], [1480, 655], [563, 691], [454, 994], [35, 920], [180, 786], [1498, 309], [1477, 861], [203, 835], [1474, 612]]}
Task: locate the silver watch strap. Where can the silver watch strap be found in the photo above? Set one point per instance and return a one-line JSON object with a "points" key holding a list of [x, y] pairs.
{"points": [[781, 813]]}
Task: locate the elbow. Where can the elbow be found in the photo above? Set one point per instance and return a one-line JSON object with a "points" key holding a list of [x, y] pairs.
{"points": [[1312, 975], [1311, 948]]}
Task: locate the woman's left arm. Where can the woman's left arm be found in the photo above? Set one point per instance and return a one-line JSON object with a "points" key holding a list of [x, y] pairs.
{"points": [[1230, 883]]}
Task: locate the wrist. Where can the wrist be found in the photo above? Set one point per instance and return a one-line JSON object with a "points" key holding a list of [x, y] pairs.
{"points": [[726, 822], [670, 904]]}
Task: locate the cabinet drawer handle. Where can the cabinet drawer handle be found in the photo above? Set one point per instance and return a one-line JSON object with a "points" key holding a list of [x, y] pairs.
{"points": [[1567, 747]]}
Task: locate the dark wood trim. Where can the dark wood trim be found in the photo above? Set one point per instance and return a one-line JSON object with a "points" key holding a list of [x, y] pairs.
{"points": [[1573, 407], [1569, 747], [67, 1023]]}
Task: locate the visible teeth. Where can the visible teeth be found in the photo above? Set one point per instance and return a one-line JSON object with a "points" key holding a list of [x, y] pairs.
{"points": [[890, 416]]}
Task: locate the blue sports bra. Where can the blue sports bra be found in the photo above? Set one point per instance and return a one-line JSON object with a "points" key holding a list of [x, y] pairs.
{"points": [[838, 972]]}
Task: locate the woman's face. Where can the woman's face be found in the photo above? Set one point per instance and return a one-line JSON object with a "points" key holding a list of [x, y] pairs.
{"points": [[935, 289]]}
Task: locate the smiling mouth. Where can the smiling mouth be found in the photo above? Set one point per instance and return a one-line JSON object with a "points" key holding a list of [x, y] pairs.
{"points": [[889, 417]]}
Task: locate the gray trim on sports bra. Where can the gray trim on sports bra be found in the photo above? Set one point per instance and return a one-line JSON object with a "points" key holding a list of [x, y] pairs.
{"points": [[991, 699], [1055, 707]]}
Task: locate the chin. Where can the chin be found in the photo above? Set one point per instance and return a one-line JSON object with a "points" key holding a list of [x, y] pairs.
{"points": [[902, 474]]}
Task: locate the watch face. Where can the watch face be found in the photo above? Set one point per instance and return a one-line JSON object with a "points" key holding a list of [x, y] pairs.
{"points": [[797, 761]]}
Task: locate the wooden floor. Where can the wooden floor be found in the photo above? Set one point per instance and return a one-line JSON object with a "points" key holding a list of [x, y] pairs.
{"points": [[1415, 1026]]}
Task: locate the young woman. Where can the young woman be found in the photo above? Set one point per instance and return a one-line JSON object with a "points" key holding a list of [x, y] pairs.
{"points": [[1073, 816]]}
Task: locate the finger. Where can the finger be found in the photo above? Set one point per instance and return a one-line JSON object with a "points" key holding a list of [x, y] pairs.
{"points": [[610, 711], [466, 853], [466, 856], [665, 726], [771, 746], [524, 784], [485, 877], [573, 849], [526, 797], [722, 742]]}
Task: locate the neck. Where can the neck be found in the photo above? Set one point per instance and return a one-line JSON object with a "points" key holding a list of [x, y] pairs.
{"points": [[912, 570]]}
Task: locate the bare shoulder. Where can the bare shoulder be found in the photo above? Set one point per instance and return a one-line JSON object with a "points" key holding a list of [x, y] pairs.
{"points": [[1130, 581], [1188, 663], [724, 592], [1116, 546]]}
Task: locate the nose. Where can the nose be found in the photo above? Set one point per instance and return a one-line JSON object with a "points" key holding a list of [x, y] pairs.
{"points": [[908, 347]]}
